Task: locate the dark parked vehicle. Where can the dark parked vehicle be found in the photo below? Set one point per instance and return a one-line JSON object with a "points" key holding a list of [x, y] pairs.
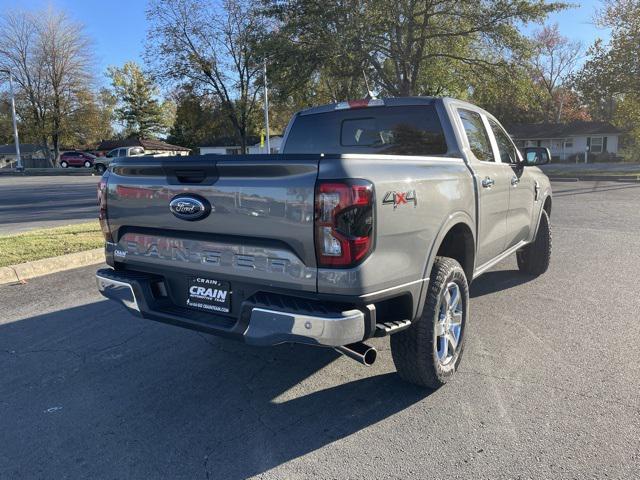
{"points": [[77, 159], [372, 222]]}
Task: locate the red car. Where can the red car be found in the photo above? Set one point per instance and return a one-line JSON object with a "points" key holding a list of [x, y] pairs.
{"points": [[76, 159]]}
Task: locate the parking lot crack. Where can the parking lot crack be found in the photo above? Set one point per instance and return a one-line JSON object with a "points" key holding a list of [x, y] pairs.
{"points": [[120, 344]]}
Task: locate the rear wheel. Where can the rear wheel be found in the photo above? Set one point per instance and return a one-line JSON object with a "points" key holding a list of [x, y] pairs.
{"points": [[534, 258], [100, 168], [64, 164], [429, 352]]}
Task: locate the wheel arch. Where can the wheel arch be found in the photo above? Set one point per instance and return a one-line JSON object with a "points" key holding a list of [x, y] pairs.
{"points": [[546, 207], [455, 239]]}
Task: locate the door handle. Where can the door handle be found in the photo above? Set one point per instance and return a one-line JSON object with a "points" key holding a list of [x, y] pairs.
{"points": [[488, 182], [515, 180]]}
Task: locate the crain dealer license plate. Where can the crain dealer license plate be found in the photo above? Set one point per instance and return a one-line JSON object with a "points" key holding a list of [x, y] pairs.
{"points": [[209, 295]]}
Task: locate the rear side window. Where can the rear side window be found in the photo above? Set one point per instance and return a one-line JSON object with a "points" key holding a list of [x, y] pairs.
{"points": [[401, 130], [477, 135]]}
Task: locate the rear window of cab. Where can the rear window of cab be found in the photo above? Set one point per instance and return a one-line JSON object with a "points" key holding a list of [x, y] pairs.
{"points": [[398, 130]]}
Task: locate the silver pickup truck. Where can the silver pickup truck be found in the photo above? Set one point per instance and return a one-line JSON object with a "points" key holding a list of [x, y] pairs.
{"points": [[372, 222]]}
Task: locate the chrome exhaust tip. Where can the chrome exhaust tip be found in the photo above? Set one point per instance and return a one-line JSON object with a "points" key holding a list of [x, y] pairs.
{"points": [[360, 352]]}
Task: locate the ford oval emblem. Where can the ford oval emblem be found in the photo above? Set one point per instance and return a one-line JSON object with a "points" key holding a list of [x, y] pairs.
{"points": [[189, 207]]}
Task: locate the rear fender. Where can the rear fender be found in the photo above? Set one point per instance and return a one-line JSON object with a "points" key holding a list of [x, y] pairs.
{"points": [[451, 221]]}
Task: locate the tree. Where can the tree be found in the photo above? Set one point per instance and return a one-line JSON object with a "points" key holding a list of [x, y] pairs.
{"points": [[50, 58], [211, 46], [20, 53], [6, 127], [609, 81], [198, 120], [512, 98], [91, 121], [553, 62], [66, 54], [407, 47], [138, 108]]}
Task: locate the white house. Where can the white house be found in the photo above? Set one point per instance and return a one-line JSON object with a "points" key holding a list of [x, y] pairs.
{"points": [[275, 142], [569, 141]]}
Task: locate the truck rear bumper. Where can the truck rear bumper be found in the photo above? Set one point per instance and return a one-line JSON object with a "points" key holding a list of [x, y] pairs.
{"points": [[263, 320]]}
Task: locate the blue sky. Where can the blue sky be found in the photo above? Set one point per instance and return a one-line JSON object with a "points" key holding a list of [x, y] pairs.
{"points": [[117, 27]]}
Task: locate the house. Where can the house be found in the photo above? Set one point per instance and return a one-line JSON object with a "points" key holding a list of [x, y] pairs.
{"points": [[569, 141], [150, 146], [32, 156], [229, 149]]}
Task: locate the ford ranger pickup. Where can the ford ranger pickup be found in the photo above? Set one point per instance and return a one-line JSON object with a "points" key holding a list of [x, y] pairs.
{"points": [[372, 222]]}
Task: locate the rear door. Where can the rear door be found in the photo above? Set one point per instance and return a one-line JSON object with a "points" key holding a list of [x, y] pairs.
{"points": [[74, 159], [492, 181]]}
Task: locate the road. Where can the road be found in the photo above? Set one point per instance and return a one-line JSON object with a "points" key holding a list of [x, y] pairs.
{"points": [[36, 202], [548, 387]]}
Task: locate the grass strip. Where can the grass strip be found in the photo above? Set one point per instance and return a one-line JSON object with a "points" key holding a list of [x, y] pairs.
{"points": [[49, 242]]}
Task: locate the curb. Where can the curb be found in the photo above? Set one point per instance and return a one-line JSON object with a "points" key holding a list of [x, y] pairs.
{"points": [[24, 271], [50, 172]]}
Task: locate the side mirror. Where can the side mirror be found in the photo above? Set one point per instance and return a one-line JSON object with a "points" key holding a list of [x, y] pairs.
{"points": [[534, 156]]}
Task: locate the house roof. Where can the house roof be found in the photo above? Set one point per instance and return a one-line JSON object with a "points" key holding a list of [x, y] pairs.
{"points": [[10, 148], [139, 142], [561, 130]]}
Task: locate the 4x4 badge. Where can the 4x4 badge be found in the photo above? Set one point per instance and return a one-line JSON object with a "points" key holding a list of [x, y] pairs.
{"points": [[400, 198]]}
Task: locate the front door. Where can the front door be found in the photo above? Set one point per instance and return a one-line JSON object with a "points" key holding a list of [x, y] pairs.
{"points": [[492, 181], [522, 188]]}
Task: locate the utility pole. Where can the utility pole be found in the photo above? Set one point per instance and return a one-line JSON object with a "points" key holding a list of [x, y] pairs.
{"points": [[266, 110], [15, 124]]}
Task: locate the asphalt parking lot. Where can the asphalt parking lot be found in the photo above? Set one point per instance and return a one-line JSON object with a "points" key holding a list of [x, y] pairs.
{"points": [[37, 202], [549, 386]]}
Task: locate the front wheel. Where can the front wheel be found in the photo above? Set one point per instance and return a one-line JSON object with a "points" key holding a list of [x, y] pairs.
{"points": [[64, 164], [100, 168], [87, 164], [429, 352]]}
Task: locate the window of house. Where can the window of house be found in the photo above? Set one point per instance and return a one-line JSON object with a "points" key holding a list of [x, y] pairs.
{"points": [[476, 135], [568, 143], [596, 145]]}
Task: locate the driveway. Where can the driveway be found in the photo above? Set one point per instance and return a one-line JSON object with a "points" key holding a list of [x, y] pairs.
{"points": [[548, 387]]}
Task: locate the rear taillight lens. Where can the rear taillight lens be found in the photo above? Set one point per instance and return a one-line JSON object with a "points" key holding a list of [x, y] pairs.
{"points": [[102, 206], [343, 222]]}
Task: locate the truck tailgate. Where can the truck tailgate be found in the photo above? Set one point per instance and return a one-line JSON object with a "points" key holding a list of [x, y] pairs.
{"points": [[260, 225]]}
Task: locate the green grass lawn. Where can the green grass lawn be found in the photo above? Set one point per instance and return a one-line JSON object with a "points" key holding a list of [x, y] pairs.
{"points": [[49, 242]]}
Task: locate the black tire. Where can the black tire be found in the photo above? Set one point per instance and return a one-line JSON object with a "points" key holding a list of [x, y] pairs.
{"points": [[64, 164], [87, 164], [100, 168], [534, 258], [414, 350]]}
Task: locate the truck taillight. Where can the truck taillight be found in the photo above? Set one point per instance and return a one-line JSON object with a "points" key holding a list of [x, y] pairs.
{"points": [[343, 222], [102, 206]]}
